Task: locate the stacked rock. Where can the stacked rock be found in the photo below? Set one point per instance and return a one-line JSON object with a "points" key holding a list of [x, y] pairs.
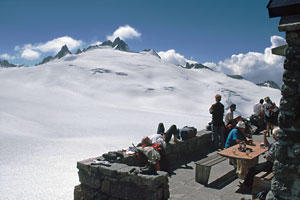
{"points": [[286, 182]]}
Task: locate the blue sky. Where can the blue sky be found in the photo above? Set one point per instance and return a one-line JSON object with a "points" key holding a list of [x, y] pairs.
{"points": [[204, 31]]}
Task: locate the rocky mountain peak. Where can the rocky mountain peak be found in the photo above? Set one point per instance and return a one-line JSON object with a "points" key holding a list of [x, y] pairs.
{"points": [[196, 66], [45, 60], [120, 44], [5, 63], [270, 84], [152, 52], [78, 51], [63, 51], [116, 44]]}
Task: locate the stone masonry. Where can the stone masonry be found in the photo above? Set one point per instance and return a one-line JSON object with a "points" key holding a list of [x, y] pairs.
{"points": [[121, 179], [286, 181]]}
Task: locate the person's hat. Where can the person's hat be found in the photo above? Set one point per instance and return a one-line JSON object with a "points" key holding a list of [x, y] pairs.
{"points": [[241, 124], [267, 99], [218, 97]]}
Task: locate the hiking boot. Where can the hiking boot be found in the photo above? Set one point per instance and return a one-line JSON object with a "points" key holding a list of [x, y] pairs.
{"points": [[148, 170]]}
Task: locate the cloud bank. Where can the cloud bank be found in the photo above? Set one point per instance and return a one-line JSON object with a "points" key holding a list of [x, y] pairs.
{"points": [[29, 54], [254, 66], [7, 57], [33, 51], [171, 56], [124, 32]]}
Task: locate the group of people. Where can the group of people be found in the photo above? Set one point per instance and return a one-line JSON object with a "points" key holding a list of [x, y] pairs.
{"points": [[264, 112], [225, 132], [231, 131]]}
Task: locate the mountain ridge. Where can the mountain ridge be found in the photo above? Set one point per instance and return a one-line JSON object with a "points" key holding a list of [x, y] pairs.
{"points": [[5, 63]]}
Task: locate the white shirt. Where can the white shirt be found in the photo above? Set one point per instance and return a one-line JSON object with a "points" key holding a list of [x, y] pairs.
{"points": [[257, 109], [158, 139], [228, 116]]}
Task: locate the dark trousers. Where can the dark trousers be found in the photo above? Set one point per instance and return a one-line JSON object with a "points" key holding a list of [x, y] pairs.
{"points": [[168, 134], [265, 166], [218, 136]]}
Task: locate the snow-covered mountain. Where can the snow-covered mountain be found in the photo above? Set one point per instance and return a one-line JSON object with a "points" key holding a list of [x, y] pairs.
{"points": [[102, 99], [270, 84]]}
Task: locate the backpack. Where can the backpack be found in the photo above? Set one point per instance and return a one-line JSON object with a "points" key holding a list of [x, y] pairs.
{"points": [[188, 132]]}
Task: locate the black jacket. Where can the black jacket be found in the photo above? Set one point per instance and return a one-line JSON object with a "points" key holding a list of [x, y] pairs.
{"points": [[217, 114]]}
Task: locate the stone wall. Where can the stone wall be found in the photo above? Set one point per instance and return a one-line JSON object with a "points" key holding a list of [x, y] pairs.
{"points": [[121, 179], [286, 181]]}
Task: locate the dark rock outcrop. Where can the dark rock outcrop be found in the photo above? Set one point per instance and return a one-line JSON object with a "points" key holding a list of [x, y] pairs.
{"points": [[45, 60], [5, 63], [78, 51], [270, 84], [120, 45], [239, 77], [196, 66], [152, 52], [116, 44], [107, 43], [63, 51]]}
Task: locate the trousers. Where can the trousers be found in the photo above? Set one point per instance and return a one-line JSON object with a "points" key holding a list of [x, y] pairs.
{"points": [[168, 134]]}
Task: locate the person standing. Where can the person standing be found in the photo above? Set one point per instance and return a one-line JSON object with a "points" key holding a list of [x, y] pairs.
{"points": [[270, 110], [257, 119], [258, 108], [217, 111]]}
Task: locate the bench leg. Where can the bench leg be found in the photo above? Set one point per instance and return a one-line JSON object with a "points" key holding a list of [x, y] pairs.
{"points": [[202, 174]]}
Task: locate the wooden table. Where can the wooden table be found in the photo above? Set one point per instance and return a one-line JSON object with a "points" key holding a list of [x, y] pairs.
{"points": [[244, 161], [256, 151]]}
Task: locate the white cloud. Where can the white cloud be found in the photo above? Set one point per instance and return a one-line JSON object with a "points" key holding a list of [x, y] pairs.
{"points": [[124, 32], [95, 43], [29, 54], [53, 46], [7, 57], [56, 44], [171, 56], [254, 66]]}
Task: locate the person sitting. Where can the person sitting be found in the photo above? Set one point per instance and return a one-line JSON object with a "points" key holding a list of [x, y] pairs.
{"points": [[236, 135], [229, 115], [265, 166], [230, 121]]}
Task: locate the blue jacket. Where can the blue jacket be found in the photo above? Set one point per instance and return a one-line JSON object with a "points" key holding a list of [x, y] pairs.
{"points": [[233, 136]]}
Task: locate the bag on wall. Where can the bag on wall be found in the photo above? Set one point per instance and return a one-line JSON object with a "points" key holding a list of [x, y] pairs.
{"points": [[188, 132]]}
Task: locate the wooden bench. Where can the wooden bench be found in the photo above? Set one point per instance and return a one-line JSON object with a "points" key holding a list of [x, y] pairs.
{"points": [[262, 182], [203, 167]]}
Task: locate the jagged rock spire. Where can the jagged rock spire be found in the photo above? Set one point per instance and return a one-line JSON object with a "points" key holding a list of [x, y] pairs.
{"points": [[116, 44], [64, 51], [78, 51]]}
